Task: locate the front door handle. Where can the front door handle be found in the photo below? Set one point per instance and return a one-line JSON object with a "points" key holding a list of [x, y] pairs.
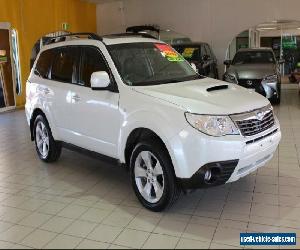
{"points": [[43, 90], [76, 98]]}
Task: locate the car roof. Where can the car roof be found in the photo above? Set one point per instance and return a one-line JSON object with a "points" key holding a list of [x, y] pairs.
{"points": [[256, 49], [106, 40]]}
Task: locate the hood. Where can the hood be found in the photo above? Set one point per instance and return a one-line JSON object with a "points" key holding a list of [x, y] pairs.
{"points": [[252, 71], [206, 96]]}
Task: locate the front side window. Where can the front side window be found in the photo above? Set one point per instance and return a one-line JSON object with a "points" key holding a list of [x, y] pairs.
{"points": [[253, 57], [150, 64], [92, 61], [44, 63], [65, 65]]}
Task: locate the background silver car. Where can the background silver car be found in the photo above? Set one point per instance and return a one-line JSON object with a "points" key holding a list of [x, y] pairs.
{"points": [[256, 69]]}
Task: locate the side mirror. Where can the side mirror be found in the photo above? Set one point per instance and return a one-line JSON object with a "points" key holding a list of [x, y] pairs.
{"points": [[281, 61], [100, 80], [205, 58], [194, 67], [227, 62]]}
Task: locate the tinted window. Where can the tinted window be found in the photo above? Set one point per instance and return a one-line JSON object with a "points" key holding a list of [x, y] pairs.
{"points": [[92, 61], [44, 63], [65, 65]]}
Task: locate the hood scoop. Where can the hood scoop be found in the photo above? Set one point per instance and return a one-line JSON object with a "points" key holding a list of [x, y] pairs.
{"points": [[219, 87]]}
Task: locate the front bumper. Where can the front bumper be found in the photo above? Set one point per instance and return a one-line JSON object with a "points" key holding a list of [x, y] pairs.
{"points": [[268, 90], [220, 173], [237, 155]]}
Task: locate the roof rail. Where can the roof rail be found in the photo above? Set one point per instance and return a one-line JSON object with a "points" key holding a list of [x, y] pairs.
{"points": [[130, 34], [62, 38]]}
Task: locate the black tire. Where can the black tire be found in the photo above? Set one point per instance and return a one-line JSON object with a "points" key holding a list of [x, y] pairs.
{"points": [[54, 149], [171, 190], [276, 99]]}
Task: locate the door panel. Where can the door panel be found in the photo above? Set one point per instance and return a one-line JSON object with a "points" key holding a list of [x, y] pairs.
{"points": [[63, 77], [95, 119], [94, 116]]}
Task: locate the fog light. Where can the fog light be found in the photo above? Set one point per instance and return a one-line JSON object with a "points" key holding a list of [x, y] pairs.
{"points": [[207, 175]]}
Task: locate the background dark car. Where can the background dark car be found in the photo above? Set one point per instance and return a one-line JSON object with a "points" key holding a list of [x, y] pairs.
{"points": [[201, 55]]}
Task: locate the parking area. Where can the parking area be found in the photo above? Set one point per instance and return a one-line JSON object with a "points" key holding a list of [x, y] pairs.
{"points": [[82, 202]]}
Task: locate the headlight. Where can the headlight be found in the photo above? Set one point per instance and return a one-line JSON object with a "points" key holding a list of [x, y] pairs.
{"points": [[269, 79], [230, 78], [212, 125]]}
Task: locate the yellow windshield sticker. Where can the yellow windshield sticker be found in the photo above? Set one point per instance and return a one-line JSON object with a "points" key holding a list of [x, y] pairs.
{"points": [[188, 52]]}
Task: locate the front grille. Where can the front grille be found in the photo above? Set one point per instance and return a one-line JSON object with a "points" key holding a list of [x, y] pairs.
{"points": [[255, 122], [255, 84], [261, 137]]}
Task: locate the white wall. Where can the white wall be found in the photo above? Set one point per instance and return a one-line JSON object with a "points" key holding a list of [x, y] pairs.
{"points": [[212, 21]]}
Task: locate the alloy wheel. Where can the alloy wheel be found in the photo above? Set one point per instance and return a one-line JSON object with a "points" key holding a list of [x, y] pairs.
{"points": [[42, 139], [149, 176]]}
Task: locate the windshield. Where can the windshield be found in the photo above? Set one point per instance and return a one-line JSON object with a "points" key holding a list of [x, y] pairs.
{"points": [[150, 64], [190, 53], [253, 57]]}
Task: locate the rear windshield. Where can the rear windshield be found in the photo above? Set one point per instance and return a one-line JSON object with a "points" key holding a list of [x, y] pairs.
{"points": [[253, 57]]}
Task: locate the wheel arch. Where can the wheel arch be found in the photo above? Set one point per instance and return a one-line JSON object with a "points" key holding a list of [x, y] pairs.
{"points": [[139, 134], [34, 115]]}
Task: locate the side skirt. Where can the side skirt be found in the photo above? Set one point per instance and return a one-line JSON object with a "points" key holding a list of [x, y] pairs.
{"points": [[92, 154]]}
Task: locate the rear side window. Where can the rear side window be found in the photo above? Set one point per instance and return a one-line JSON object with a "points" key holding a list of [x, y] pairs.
{"points": [[92, 61], [44, 62], [64, 68]]}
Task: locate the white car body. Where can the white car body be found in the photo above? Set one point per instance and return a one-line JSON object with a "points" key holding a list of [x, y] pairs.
{"points": [[102, 121]]}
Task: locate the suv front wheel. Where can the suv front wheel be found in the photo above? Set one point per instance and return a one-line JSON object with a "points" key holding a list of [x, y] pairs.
{"points": [[152, 176], [47, 148]]}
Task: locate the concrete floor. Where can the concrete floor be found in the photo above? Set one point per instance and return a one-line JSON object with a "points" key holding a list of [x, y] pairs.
{"points": [[80, 202]]}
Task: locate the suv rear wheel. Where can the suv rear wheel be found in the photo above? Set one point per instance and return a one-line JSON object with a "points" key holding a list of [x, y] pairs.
{"points": [[47, 148], [152, 176]]}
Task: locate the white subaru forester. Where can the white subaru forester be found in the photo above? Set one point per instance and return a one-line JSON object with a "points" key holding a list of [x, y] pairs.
{"points": [[134, 99]]}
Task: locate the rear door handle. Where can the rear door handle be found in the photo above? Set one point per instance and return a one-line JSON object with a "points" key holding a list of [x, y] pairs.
{"points": [[46, 91]]}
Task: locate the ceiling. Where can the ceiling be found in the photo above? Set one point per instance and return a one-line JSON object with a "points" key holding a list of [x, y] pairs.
{"points": [[278, 25]]}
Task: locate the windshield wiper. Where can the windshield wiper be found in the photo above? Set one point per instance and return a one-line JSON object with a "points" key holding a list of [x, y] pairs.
{"points": [[166, 81]]}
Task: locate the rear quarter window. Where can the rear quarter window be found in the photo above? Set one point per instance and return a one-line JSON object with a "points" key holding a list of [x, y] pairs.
{"points": [[65, 65], [44, 63]]}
